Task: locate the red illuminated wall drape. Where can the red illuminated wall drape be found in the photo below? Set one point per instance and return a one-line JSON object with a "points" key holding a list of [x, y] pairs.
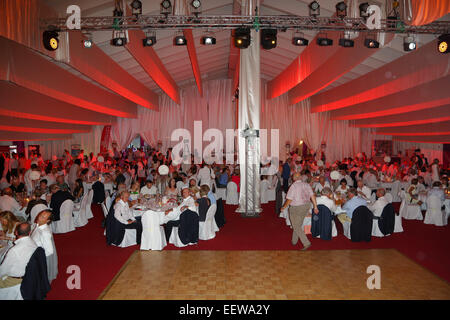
{"points": [[422, 12]]}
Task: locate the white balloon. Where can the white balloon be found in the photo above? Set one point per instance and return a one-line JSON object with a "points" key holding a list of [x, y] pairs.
{"points": [[163, 170]]}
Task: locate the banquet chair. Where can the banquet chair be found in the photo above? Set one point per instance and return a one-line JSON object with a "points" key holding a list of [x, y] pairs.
{"points": [[232, 193], [153, 236], [385, 224], [108, 202], [395, 188], [221, 193], [65, 224], [409, 211], [272, 191], [264, 188], [35, 284], [187, 232], [206, 229], [434, 214], [129, 238], [79, 216], [361, 225], [89, 213], [285, 213], [219, 217]]}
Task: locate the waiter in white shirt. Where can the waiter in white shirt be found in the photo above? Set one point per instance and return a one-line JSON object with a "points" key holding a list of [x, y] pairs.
{"points": [[124, 215], [12, 268]]}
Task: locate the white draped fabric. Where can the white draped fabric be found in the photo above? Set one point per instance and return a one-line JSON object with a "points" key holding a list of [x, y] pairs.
{"points": [[215, 110]]}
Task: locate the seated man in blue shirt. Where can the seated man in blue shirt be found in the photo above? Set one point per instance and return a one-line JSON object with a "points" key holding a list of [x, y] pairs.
{"points": [[353, 202]]}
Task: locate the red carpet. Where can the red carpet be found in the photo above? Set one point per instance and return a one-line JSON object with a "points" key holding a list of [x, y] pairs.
{"points": [[99, 263]]}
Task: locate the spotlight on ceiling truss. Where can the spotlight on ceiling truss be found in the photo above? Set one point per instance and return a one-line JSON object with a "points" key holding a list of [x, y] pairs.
{"points": [[180, 40], [50, 40], [166, 7], [269, 38], [242, 38], [150, 39], [136, 8], [443, 42], [208, 39], [119, 39], [324, 41], [88, 43], [314, 9], [363, 10], [299, 39], [346, 42], [341, 9], [409, 44], [371, 43], [196, 6]]}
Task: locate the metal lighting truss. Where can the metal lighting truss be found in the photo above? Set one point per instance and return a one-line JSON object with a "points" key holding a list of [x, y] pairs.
{"points": [[282, 23]]}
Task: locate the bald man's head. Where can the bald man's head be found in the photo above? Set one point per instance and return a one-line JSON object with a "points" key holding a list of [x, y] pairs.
{"points": [[296, 176]]}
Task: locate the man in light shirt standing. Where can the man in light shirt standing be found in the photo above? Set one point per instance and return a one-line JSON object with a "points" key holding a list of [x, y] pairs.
{"points": [[363, 191], [298, 198]]}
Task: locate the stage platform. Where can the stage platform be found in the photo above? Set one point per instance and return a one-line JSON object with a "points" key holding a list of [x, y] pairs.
{"points": [[274, 275]]}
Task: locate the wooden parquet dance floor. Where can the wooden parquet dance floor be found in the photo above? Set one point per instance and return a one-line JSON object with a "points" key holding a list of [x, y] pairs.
{"points": [[274, 275]]}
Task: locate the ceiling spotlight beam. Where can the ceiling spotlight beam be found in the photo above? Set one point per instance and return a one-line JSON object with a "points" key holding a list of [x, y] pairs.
{"points": [[29, 136], [441, 139], [29, 125], [194, 60]]}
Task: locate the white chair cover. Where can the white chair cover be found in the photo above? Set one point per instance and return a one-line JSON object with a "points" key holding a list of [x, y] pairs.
{"points": [[65, 224], [307, 222], [11, 293], [89, 213], [285, 213], [80, 219], [346, 227], [175, 239], [153, 236], [232, 193], [395, 188], [206, 228], [435, 215], [271, 192], [398, 224], [52, 264], [221, 193], [129, 238], [409, 211], [264, 186]]}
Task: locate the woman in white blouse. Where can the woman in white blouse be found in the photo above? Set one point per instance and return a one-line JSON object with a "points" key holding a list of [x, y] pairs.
{"points": [[342, 189], [41, 234]]}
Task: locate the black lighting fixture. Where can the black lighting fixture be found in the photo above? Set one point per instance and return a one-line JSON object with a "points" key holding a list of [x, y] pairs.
{"points": [[443, 42], [323, 41], [150, 39], [119, 39], [242, 38], [363, 10], [299, 39], [409, 44], [371, 43], [50, 40], [208, 40], [88, 43], [314, 9], [166, 7], [136, 8], [196, 6], [117, 13], [341, 9], [346, 42], [180, 40], [269, 38]]}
